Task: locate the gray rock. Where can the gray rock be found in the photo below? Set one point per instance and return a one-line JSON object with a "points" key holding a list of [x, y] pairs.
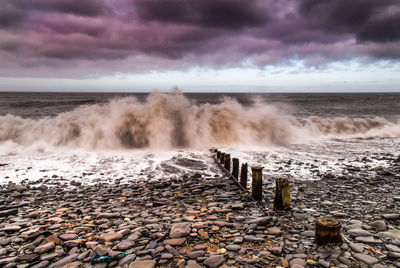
{"points": [[260, 221], [366, 258], [65, 261], [8, 212], [368, 240], [167, 256], [277, 250], [233, 247], [394, 255], [392, 248], [195, 254], [392, 216], [44, 248], [308, 233], [250, 238], [359, 232], [68, 236], [193, 264], [274, 231], [178, 230], [109, 237], [11, 228], [175, 241], [127, 259], [324, 263], [393, 234], [108, 215], [102, 250], [344, 260], [298, 261], [214, 261], [124, 245], [42, 264], [379, 225], [143, 264]]}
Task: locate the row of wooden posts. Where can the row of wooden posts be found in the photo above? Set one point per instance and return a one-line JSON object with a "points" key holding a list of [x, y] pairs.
{"points": [[282, 193], [327, 229]]}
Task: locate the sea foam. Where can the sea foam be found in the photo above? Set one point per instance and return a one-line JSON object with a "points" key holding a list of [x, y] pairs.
{"points": [[171, 121]]}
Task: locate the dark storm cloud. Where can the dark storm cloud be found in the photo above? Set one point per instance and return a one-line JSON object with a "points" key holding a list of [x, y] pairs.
{"points": [[209, 13], [9, 14], [79, 7], [381, 29], [143, 35], [369, 20]]}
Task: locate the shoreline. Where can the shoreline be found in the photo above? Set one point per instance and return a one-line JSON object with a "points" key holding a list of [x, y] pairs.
{"points": [[212, 223]]}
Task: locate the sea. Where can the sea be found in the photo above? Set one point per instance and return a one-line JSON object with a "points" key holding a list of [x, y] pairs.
{"points": [[103, 137]]}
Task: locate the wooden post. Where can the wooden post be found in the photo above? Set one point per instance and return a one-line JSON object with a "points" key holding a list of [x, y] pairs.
{"points": [[282, 194], [227, 163], [257, 183], [222, 158], [235, 168], [218, 154], [327, 231], [243, 176]]}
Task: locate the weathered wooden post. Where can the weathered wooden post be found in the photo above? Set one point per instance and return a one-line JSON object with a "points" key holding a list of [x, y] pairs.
{"points": [[218, 154], [282, 194], [227, 164], [257, 183], [222, 158], [327, 231], [243, 176], [235, 168]]}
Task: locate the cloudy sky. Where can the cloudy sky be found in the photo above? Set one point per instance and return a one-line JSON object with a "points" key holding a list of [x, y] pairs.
{"points": [[200, 45]]}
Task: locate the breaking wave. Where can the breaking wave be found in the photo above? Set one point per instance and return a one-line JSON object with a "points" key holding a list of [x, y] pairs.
{"points": [[166, 121]]}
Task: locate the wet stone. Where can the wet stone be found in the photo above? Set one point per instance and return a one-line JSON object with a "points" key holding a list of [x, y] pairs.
{"points": [[214, 261], [368, 240], [193, 264], [179, 230], [379, 225], [356, 247], [143, 264], [175, 241], [392, 248], [68, 236], [109, 237], [44, 248], [250, 238], [127, 259], [233, 247], [196, 254], [124, 245], [359, 232], [366, 258], [391, 216]]}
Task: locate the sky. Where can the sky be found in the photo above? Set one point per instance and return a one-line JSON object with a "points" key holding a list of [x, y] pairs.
{"points": [[200, 45]]}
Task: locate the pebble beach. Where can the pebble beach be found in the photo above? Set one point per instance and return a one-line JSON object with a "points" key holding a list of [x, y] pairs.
{"points": [[202, 219]]}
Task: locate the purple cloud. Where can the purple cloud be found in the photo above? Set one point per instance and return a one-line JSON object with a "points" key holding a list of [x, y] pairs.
{"points": [[143, 35]]}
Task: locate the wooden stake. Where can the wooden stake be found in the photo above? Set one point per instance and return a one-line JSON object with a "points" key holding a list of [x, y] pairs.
{"points": [[235, 168], [327, 231], [227, 163], [257, 183], [222, 158], [243, 176], [282, 194]]}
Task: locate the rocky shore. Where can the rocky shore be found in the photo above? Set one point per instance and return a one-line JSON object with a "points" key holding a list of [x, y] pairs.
{"points": [[201, 219]]}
